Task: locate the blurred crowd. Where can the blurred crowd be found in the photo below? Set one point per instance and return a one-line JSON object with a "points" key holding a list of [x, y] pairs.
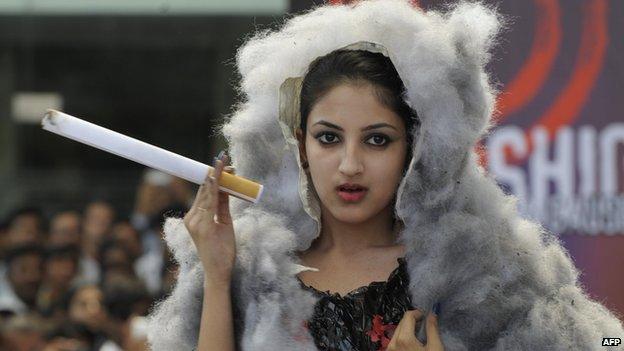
{"points": [[85, 278]]}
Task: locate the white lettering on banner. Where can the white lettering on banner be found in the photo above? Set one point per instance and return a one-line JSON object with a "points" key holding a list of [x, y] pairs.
{"points": [[610, 138], [559, 186], [542, 170], [587, 160], [513, 137]]}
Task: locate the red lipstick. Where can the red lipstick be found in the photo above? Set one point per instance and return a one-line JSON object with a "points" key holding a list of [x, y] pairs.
{"points": [[351, 192]]}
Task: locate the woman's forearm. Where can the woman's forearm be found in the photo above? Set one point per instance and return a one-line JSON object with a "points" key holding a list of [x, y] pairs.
{"points": [[216, 331]]}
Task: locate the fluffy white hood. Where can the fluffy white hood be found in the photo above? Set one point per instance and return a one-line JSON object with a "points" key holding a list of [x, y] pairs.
{"points": [[504, 282]]}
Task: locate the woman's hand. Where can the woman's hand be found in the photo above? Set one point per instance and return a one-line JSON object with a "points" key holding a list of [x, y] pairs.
{"points": [[404, 337], [211, 228]]}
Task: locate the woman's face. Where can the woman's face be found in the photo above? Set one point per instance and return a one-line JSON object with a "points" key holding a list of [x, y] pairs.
{"points": [[353, 138], [87, 305]]}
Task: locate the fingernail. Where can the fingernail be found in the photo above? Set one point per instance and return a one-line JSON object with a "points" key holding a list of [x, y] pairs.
{"points": [[436, 308], [220, 155]]}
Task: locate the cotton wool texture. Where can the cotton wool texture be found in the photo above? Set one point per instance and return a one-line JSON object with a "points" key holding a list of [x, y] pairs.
{"points": [[505, 283]]}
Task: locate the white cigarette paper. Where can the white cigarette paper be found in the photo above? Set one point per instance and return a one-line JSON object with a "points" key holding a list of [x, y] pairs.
{"points": [[146, 154]]}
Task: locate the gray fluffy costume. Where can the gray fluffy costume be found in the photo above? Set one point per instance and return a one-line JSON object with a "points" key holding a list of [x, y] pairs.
{"points": [[504, 282]]}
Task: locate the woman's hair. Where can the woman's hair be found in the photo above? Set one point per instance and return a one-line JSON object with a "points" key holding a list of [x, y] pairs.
{"points": [[357, 67]]}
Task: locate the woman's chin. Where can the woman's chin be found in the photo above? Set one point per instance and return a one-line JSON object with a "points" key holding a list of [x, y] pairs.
{"points": [[351, 215]]}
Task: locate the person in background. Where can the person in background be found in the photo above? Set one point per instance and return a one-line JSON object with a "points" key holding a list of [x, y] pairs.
{"points": [[22, 333], [115, 259], [23, 226], [182, 191], [97, 222], [168, 274], [98, 219], [65, 229], [19, 288], [127, 301], [145, 264], [69, 337], [85, 307], [127, 236], [61, 267], [150, 265], [26, 225], [152, 196], [156, 193]]}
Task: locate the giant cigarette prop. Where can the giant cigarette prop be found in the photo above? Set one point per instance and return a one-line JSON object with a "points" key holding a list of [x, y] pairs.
{"points": [[146, 154]]}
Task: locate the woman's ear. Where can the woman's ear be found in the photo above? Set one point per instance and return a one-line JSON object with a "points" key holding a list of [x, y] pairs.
{"points": [[302, 151]]}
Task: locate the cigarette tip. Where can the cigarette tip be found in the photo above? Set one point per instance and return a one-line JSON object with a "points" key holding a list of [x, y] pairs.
{"points": [[48, 117]]}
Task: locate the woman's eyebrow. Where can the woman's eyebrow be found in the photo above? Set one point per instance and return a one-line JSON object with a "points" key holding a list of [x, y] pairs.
{"points": [[372, 126]]}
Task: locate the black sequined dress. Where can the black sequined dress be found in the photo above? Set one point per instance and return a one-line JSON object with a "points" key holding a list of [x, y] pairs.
{"points": [[365, 318]]}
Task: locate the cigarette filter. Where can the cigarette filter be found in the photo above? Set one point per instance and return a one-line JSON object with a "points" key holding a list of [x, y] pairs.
{"points": [[147, 154]]}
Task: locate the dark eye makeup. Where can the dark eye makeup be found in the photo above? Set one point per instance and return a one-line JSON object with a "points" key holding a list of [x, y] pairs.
{"points": [[378, 139]]}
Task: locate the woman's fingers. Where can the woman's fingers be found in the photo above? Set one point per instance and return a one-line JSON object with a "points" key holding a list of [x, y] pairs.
{"points": [[194, 214], [223, 211], [433, 335], [404, 337], [207, 204], [204, 206], [410, 318]]}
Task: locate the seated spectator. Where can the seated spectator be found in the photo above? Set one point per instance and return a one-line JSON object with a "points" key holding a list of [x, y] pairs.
{"points": [[115, 259], [146, 264], [22, 333], [65, 229], [127, 236], [69, 337], [158, 193], [149, 267], [182, 192], [168, 274], [127, 301], [97, 222], [19, 288], [85, 307], [152, 195], [98, 219], [25, 226], [61, 267]]}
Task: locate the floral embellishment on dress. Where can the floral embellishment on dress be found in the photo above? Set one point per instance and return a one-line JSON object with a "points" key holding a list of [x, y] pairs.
{"points": [[381, 332]]}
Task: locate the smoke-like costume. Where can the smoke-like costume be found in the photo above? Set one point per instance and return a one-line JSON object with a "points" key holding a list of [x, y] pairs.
{"points": [[504, 282]]}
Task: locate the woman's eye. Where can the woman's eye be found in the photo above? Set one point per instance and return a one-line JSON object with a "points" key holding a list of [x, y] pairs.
{"points": [[378, 140], [329, 137]]}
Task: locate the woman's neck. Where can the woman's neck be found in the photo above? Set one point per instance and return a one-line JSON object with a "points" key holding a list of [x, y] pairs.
{"points": [[349, 239]]}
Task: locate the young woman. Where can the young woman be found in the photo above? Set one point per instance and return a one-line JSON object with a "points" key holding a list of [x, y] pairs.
{"points": [[383, 97]]}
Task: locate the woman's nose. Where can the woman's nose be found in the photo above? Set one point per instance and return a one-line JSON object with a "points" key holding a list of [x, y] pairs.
{"points": [[351, 162]]}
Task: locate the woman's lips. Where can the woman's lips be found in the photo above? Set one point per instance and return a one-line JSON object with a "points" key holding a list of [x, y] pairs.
{"points": [[352, 196]]}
